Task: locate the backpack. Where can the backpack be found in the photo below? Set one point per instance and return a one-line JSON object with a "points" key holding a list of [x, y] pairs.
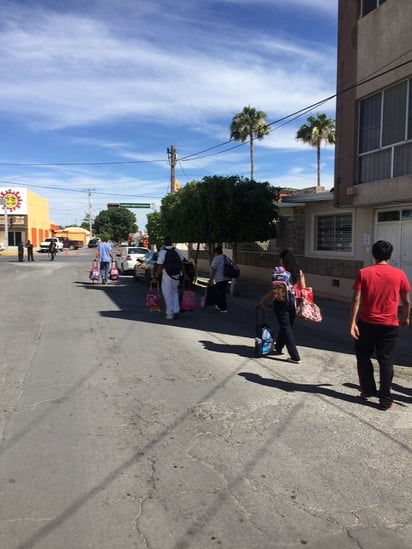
{"points": [[172, 263], [189, 269], [283, 289], [230, 269]]}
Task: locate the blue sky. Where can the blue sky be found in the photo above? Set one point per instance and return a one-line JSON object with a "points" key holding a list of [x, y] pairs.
{"points": [[93, 93]]}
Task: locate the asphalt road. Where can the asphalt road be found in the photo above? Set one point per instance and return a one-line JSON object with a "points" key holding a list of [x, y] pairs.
{"points": [[121, 430]]}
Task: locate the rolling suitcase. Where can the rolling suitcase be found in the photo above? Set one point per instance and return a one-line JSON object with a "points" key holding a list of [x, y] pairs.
{"points": [[94, 274], [153, 301], [114, 271], [263, 337]]}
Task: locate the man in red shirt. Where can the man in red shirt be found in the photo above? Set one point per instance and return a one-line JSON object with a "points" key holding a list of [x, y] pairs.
{"points": [[376, 291]]}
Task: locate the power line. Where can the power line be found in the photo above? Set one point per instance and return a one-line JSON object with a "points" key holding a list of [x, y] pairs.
{"points": [[285, 119]]}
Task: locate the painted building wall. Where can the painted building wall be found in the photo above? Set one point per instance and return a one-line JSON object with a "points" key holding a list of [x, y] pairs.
{"points": [[27, 213], [38, 223]]}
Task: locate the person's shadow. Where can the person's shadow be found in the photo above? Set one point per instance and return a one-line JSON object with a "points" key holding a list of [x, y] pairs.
{"points": [[396, 397], [291, 387]]}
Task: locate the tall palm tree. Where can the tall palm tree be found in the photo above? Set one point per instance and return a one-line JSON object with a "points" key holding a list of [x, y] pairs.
{"points": [[315, 131], [249, 124]]}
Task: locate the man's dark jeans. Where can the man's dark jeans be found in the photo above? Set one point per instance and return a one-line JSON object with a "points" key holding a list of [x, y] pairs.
{"points": [[381, 340]]}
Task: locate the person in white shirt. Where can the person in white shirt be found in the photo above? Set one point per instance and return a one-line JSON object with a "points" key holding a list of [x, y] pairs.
{"points": [[171, 280]]}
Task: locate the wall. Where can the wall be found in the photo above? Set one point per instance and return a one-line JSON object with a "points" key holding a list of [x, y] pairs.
{"points": [[38, 223]]}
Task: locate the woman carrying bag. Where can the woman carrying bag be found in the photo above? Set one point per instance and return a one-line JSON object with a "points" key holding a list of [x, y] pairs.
{"points": [[287, 280]]}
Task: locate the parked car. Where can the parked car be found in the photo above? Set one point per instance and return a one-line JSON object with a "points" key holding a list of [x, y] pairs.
{"points": [[44, 246], [93, 242], [143, 269], [127, 256]]}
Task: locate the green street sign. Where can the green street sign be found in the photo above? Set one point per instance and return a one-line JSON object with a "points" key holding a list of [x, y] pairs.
{"points": [[135, 205]]}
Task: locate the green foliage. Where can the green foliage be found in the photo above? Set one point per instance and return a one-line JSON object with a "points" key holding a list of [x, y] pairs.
{"points": [[221, 209], [85, 224], [314, 132], [115, 224], [154, 227], [249, 124]]}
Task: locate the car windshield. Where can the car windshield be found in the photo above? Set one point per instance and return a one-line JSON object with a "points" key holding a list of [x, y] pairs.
{"points": [[136, 250]]}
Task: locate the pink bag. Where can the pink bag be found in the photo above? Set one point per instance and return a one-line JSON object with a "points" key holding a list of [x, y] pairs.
{"points": [[188, 300], [308, 311], [153, 301]]}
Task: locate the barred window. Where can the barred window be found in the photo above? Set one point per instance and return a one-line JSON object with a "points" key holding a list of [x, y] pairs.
{"points": [[333, 233]]}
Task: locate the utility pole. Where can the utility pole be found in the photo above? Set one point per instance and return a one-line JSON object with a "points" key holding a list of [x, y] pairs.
{"points": [[171, 155], [90, 211]]}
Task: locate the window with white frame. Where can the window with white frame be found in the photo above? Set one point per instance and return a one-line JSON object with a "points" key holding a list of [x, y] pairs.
{"points": [[333, 233], [385, 133], [370, 5]]}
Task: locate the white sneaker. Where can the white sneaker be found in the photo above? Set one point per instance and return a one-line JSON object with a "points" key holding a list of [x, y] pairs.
{"points": [[169, 317]]}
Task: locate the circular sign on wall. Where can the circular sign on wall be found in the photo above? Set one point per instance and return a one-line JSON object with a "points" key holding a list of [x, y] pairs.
{"points": [[12, 198]]}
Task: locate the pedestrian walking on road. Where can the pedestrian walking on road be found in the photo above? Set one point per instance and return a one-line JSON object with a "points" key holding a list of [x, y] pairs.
{"points": [[52, 250], [217, 275], [170, 268], [29, 247], [287, 280], [105, 257], [376, 293]]}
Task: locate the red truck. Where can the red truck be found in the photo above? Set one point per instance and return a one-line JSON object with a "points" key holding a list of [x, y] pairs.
{"points": [[71, 244]]}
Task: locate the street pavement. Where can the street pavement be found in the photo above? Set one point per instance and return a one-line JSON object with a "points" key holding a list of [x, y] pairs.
{"points": [[124, 431]]}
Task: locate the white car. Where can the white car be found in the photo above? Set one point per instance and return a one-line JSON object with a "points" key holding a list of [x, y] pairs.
{"points": [[127, 256]]}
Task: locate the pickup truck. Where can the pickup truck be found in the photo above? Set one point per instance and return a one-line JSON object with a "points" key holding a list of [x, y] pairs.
{"points": [[44, 246], [71, 244]]}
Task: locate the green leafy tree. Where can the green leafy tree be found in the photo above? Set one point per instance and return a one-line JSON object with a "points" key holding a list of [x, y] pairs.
{"points": [[85, 224], [115, 224], [221, 209], [154, 227], [249, 124], [318, 129]]}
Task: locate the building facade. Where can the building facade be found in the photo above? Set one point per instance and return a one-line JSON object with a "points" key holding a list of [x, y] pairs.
{"points": [[27, 217], [373, 160]]}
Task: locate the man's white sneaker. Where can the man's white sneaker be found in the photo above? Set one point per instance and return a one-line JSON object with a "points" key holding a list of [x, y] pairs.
{"points": [[169, 317]]}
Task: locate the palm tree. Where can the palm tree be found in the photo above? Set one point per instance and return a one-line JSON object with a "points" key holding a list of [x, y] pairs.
{"points": [[315, 131], [249, 124]]}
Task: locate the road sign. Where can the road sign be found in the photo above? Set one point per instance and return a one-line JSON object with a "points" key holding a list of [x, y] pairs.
{"points": [[135, 205]]}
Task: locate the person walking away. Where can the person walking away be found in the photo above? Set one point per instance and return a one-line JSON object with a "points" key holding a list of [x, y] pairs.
{"points": [[217, 275], [170, 267], [376, 293], [20, 251], [105, 257], [52, 250], [29, 247], [287, 280]]}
